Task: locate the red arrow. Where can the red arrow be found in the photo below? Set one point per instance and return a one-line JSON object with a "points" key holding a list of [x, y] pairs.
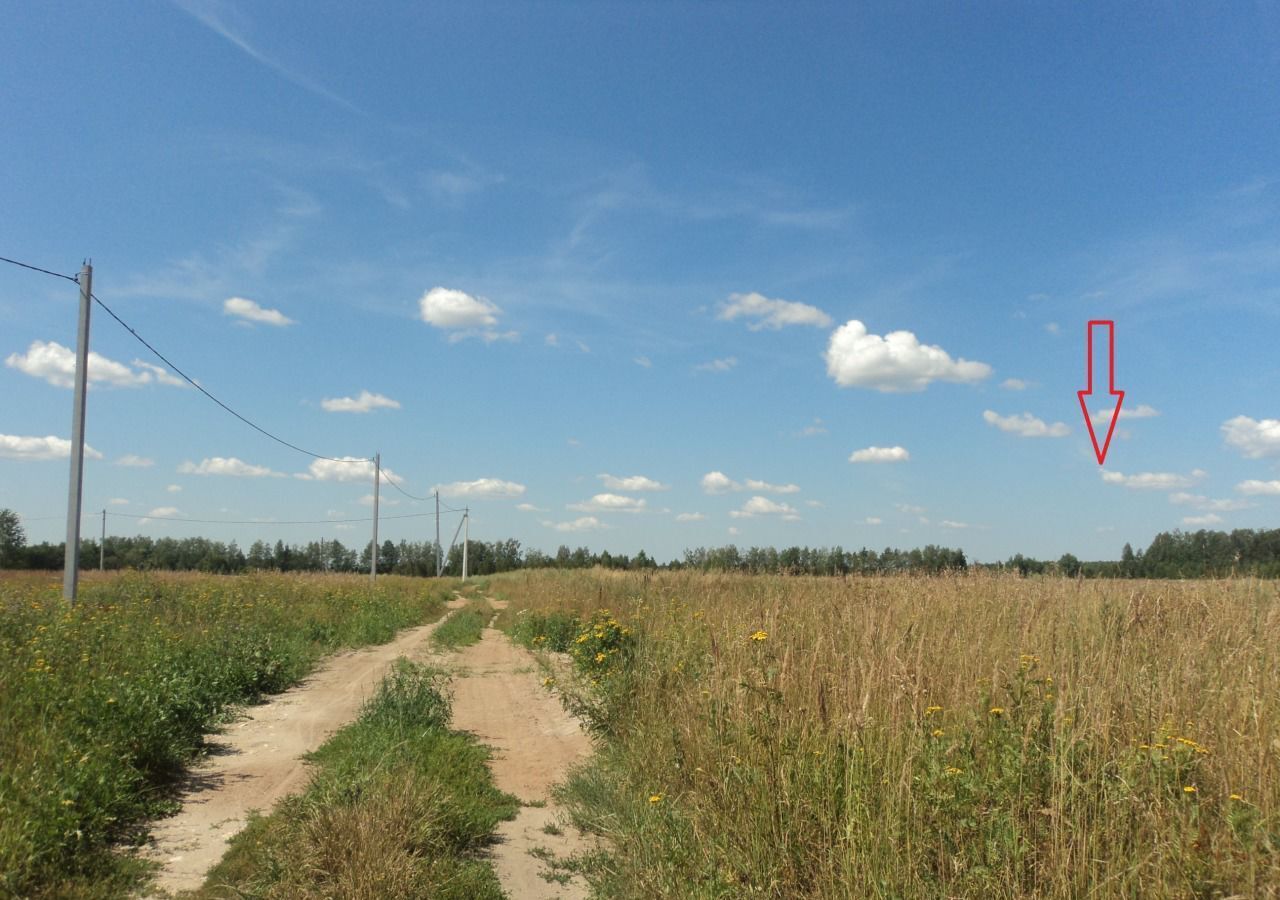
{"points": [[1101, 453]]}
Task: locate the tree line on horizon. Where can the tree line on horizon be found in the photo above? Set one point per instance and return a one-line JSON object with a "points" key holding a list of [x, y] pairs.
{"points": [[1176, 554]]}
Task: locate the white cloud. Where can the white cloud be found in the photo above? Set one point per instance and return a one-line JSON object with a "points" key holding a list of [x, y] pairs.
{"points": [[583, 523], [163, 512], [813, 430], [1208, 519], [237, 468], [1014, 384], [815, 504], [346, 468], [766, 487], [894, 363], [481, 487], [1196, 501], [610, 503], [1254, 438], [880, 455], [13, 446], [632, 483], [1025, 425], [643, 361], [174, 488], [909, 509], [364, 403], [583, 347], [252, 312], [690, 517], [383, 500], [529, 507], [551, 340], [873, 520], [1053, 328], [717, 365], [950, 523], [1142, 411], [763, 506], [719, 483], [734, 531], [772, 314], [118, 501], [133, 461], [56, 364], [452, 310], [1154, 481], [1254, 487]]}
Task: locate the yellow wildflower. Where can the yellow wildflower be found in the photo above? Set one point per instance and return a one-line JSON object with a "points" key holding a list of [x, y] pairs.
{"points": [[997, 710], [1190, 789], [760, 636], [938, 732], [655, 798]]}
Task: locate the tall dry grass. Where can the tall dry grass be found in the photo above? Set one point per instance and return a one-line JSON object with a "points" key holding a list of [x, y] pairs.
{"points": [[931, 737]]}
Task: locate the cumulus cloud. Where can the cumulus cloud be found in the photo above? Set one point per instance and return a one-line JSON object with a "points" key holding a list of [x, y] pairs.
{"points": [[611, 503], [1025, 425], [761, 312], [1142, 411], [118, 501], [56, 364], [162, 512], [880, 455], [1254, 438], [1014, 384], [173, 488], [14, 446], [236, 468], [1154, 481], [481, 487], [529, 507], [1197, 501], [632, 483], [252, 312], [133, 461], [346, 468], [690, 517], [873, 520], [895, 363], [583, 523], [365, 402], [763, 506], [717, 365], [951, 523], [1208, 519], [464, 316], [720, 483], [1254, 487]]}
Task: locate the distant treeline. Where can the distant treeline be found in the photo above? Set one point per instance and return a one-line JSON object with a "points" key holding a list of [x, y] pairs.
{"points": [[1174, 554]]}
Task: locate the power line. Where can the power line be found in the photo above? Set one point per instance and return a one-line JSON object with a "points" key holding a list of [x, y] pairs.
{"points": [[260, 522], [13, 262], [191, 381]]}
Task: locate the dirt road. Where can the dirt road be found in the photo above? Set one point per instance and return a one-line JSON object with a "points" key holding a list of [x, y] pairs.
{"points": [[259, 760], [502, 701]]}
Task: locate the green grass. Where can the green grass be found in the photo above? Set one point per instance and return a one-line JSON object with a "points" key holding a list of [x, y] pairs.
{"points": [[464, 626], [102, 704], [399, 806]]}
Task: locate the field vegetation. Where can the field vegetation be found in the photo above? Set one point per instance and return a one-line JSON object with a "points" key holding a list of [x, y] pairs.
{"points": [[932, 737], [102, 704]]}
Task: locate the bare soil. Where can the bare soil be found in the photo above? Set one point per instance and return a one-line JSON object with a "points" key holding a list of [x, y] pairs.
{"points": [[258, 760]]}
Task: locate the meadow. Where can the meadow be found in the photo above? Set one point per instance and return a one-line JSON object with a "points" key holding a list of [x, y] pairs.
{"points": [[922, 737], [103, 703]]}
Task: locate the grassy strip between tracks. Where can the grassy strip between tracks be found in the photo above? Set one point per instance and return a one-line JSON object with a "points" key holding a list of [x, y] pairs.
{"points": [[464, 626], [103, 703], [399, 806]]}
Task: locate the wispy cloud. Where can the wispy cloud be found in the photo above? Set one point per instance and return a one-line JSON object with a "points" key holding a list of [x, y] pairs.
{"points": [[717, 365], [14, 446], [582, 523], [216, 15], [481, 487], [1025, 425], [762, 313], [1154, 481]]}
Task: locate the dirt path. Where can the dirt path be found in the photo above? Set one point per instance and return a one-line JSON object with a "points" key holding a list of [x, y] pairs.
{"points": [[499, 697], [258, 760]]}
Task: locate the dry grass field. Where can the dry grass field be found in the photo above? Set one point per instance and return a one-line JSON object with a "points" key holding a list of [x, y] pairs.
{"points": [[966, 736]]}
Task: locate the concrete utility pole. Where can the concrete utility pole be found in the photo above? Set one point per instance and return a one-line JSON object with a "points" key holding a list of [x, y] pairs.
{"points": [[377, 482], [75, 490], [439, 562], [466, 539], [102, 545]]}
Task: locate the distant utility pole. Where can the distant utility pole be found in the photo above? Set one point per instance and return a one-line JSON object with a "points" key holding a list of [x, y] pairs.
{"points": [[102, 545], [75, 490], [377, 482], [466, 539], [439, 566]]}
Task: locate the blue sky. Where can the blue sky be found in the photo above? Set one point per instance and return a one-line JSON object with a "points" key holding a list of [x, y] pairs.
{"points": [[648, 275]]}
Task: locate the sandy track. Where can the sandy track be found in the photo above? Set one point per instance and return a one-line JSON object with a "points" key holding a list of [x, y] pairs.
{"points": [[258, 759], [499, 697]]}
